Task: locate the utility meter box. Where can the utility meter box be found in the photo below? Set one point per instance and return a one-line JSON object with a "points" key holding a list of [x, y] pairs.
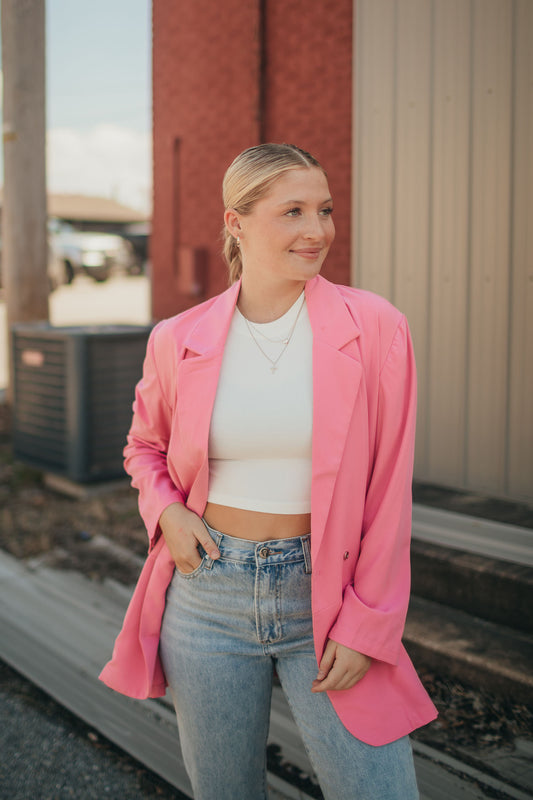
{"points": [[73, 392]]}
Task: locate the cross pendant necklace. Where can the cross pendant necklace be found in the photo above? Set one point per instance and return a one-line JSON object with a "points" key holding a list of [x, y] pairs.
{"points": [[285, 342]]}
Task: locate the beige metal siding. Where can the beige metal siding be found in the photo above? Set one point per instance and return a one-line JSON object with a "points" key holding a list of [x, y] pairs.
{"points": [[412, 183], [443, 179], [520, 436], [444, 456], [489, 247], [373, 197]]}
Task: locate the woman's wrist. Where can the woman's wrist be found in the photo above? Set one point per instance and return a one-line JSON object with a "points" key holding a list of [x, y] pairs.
{"points": [[174, 515]]}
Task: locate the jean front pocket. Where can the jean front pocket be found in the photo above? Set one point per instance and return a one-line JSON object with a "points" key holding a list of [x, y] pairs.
{"points": [[205, 562], [196, 571]]}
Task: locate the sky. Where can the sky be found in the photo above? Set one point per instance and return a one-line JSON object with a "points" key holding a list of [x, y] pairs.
{"points": [[98, 95]]}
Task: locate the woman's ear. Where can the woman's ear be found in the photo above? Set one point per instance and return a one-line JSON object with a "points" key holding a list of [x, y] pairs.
{"points": [[232, 222]]}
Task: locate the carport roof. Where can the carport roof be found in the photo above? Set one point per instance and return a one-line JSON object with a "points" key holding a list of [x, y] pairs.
{"points": [[86, 208]]}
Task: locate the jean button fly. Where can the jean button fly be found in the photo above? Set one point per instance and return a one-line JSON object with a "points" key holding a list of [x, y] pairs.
{"points": [[264, 552]]}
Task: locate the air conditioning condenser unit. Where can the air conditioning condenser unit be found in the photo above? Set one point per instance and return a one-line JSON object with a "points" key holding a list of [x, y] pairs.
{"points": [[73, 392]]}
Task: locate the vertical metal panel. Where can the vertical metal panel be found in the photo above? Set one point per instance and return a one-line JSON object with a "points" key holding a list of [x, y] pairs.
{"points": [[489, 259], [447, 322], [520, 441], [412, 185], [374, 141], [443, 222]]}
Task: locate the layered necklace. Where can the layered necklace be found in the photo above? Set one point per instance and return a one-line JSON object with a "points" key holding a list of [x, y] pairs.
{"points": [[284, 341]]}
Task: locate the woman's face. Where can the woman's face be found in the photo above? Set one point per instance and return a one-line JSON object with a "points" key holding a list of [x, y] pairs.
{"points": [[290, 230]]}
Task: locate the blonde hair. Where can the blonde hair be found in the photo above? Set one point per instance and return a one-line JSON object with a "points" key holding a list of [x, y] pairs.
{"points": [[249, 178]]}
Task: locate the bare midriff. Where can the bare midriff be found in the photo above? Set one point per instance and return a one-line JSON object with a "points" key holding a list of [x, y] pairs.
{"points": [[256, 525]]}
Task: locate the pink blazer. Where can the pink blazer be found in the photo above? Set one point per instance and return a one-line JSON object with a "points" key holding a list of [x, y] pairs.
{"points": [[364, 401]]}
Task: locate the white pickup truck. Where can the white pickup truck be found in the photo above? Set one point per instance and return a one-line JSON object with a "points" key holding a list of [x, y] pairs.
{"points": [[72, 252]]}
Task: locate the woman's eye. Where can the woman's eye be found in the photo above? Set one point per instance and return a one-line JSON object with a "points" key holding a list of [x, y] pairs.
{"points": [[296, 212]]}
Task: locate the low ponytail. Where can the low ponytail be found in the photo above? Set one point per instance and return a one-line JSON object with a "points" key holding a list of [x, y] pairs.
{"points": [[232, 256]]}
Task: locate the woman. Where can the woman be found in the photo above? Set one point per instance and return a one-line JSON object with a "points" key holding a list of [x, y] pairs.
{"points": [[272, 446]]}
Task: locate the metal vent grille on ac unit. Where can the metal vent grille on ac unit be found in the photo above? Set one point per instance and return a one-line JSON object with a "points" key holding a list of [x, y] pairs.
{"points": [[73, 392]]}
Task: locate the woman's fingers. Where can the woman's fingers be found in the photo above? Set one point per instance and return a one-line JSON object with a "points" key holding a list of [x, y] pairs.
{"points": [[189, 556], [340, 668], [183, 547], [203, 537], [184, 531], [327, 660]]}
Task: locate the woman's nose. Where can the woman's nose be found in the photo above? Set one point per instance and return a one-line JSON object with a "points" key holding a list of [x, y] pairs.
{"points": [[314, 228]]}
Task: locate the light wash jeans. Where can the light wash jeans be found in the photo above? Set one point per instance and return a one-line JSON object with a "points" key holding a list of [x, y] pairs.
{"points": [[226, 626]]}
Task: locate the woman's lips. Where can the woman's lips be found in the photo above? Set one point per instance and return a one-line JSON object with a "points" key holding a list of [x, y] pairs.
{"points": [[309, 252]]}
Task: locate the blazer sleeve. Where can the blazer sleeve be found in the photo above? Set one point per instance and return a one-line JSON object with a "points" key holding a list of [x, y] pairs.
{"points": [[372, 615], [145, 455]]}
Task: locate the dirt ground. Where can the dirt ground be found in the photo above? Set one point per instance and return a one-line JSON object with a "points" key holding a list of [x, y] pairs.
{"points": [[37, 522]]}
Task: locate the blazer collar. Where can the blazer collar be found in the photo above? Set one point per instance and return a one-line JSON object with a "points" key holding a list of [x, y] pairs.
{"points": [[210, 332], [330, 318]]}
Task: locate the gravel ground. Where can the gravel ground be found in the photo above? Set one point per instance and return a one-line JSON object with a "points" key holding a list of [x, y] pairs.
{"points": [[49, 754]]}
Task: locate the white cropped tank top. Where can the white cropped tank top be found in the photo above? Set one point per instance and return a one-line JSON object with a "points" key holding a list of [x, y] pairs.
{"points": [[261, 427]]}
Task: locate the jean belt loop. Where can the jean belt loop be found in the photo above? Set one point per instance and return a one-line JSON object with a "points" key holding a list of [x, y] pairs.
{"points": [[306, 547]]}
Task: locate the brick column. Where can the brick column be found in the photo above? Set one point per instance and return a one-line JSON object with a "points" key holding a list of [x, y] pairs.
{"points": [[308, 99], [206, 60]]}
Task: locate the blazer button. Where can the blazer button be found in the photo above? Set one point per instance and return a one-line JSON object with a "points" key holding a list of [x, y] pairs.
{"points": [[346, 554]]}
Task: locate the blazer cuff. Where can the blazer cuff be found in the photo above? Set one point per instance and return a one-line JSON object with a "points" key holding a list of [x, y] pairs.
{"points": [[370, 631]]}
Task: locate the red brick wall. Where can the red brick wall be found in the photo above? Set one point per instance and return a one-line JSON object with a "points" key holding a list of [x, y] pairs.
{"points": [[205, 99], [308, 99], [228, 74]]}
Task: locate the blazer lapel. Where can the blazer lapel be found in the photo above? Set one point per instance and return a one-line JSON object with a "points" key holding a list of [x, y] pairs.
{"points": [[336, 377], [197, 380]]}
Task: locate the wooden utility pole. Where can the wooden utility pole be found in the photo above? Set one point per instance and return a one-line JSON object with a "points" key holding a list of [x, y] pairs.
{"points": [[24, 234]]}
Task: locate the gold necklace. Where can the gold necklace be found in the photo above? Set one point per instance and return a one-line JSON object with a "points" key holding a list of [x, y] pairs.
{"points": [[285, 342]]}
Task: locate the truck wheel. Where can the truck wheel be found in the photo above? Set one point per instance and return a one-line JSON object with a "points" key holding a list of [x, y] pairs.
{"points": [[69, 272]]}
